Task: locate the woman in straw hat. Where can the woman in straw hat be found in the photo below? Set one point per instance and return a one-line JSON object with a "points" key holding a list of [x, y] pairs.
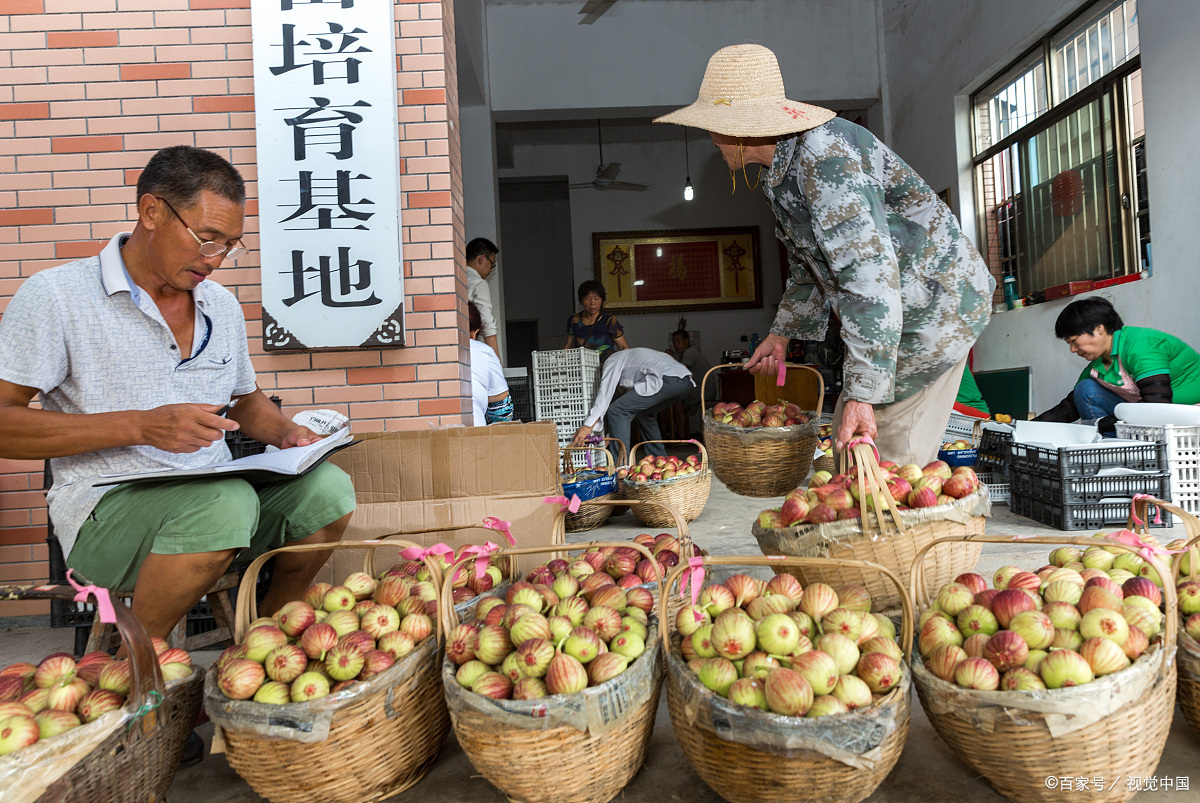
{"points": [[867, 240]]}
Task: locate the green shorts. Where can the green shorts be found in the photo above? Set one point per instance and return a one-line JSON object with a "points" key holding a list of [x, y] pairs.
{"points": [[209, 515]]}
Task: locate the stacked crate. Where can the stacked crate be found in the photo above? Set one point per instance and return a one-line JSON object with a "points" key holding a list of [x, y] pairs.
{"points": [[521, 391], [1183, 458], [1071, 488], [992, 463], [564, 387]]}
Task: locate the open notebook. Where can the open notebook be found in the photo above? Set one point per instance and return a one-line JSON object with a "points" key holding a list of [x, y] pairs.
{"points": [[287, 462]]}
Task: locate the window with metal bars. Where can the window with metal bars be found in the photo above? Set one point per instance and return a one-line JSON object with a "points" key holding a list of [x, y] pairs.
{"points": [[1059, 143]]}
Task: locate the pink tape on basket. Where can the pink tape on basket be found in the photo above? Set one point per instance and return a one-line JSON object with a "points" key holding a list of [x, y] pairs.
{"points": [[502, 527], [695, 576], [1144, 550], [570, 505], [781, 379], [417, 553], [482, 557], [104, 604], [1133, 510], [867, 440]]}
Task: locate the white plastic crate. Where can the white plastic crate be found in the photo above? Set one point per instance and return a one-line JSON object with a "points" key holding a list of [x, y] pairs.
{"points": [[564, 383], [998, 487], [1183, 458], [960, 427]]}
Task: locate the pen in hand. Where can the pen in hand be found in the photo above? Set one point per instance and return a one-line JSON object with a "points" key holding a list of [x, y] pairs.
{"points": [[227, 407]]}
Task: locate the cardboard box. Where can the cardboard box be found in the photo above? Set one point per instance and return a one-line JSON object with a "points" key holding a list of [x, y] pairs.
{"points": [[438, 478]]}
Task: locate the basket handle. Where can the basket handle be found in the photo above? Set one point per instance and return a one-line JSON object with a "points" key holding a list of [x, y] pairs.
{"points": [[449, 616], [920, 592], [247, 604], [775, 561], [568, 464], [820, 382], [622, 453], [871, 480], [681, 526], [147, 679], [697, 444]]}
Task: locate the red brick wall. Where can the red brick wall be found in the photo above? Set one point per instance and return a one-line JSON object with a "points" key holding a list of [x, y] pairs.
{"points": [[89, 89]]}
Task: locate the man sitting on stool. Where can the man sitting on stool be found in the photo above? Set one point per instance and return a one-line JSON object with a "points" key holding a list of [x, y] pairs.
{"points": [[133, 354], [656, 382]]}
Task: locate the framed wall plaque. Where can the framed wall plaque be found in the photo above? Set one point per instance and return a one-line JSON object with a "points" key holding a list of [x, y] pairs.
{"points": [[679, 269]]}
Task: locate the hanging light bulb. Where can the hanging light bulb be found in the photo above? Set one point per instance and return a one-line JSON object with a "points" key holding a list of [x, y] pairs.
{"points": [[688, 192]]}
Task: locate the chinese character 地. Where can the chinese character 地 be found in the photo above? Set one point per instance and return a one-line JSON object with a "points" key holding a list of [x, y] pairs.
{"points": [[351, 277]]}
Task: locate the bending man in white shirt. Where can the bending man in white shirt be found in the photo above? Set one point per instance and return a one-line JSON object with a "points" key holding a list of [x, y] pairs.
{"points": [[655, 382]]}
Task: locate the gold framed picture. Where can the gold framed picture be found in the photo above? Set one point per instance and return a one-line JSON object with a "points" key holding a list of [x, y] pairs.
{"points": [[679, 269]]}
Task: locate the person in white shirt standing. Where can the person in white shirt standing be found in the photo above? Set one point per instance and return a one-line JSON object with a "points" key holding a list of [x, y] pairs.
{"points": [[490, 399], [481, 256], [655, 382]]}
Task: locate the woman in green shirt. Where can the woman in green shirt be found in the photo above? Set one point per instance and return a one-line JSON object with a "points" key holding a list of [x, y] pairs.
{"points": [[1125, 364]]}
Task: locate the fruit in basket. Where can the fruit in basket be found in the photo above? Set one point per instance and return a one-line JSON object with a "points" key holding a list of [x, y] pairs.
{"points": [[1065, 668], [54, 670], [17, 732], [286, 663], [261, 640], [309, 686], [1191, 626], [1104, 623], [787, 692], [240, 678], [977, 674], [52, 723], [1189, 597], [344, 661], [733, 635], [1035, 627], [97, 703]]}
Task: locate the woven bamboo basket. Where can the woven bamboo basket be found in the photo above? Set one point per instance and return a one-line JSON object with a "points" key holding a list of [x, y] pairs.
{"points": [[684, 536], [762, 462], [137, 760], [586, 767], [1189, 649], [400, 714], [883, 535], [688, 494], [800, 770], [589, 516], [826, 463], [1016, 748], [621, 461]]}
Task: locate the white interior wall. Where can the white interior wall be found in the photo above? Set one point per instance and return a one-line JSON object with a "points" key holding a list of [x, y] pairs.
{"points": [[481, 194], [652, 53], [940, 50], [660, 164]]}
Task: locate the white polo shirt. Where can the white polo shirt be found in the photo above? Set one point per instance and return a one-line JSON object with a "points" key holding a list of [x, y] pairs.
{"points": [[639, 369], [487, 379], [91, 341]]}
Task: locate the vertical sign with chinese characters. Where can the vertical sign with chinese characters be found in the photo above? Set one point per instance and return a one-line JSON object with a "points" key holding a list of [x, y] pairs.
{"points": [[328, 173]]}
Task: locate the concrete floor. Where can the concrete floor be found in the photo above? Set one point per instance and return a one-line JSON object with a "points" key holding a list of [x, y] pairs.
{"points": [[927, 770]]}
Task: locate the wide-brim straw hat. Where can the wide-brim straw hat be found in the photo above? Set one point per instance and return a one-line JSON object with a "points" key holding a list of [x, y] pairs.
{"points": [[742, 96]]}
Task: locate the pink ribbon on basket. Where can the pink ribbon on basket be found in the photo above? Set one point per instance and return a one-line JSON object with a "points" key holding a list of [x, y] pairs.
{"points": [[695, 576], [781, 379], [1145, 550], [104, 604], [570, 505], [482, 557], [502, 527], [417, 553], [1133, 510]]}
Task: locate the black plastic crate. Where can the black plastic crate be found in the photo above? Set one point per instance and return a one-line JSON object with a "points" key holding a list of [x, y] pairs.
{"points": [[1089, 490], [521, 390], [993, 452], [1077, 517], [1087, 461]]}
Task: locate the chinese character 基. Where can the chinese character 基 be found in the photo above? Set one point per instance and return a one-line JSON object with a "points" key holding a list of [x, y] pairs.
{"points": [[336, 41], [735, 252], [351, 276], [314, 190], [323, 124]]}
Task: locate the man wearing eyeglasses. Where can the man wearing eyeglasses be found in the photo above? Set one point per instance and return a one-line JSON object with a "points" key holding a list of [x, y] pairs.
{"points": [[481, 257], [136, 354]]}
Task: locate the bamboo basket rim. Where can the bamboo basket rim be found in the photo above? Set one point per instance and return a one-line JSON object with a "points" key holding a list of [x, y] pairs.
{"points": [[567, 466], [681, 526]]}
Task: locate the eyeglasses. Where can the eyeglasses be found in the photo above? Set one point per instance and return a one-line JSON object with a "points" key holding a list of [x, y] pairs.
{"points": [[208, 248], [491, 259]]}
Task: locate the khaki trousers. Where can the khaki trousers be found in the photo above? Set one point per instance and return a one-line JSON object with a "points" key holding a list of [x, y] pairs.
{"points": [[910, 431]]}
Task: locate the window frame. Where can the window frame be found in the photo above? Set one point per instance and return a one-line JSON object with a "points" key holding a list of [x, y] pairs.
{"points": [[1113, 84]]}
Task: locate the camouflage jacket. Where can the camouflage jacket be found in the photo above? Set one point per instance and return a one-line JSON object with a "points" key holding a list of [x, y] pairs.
{"points": [[868, 240]]}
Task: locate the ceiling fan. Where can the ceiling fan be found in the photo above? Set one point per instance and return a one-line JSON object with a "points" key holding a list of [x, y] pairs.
{"points": [[606, 174]]}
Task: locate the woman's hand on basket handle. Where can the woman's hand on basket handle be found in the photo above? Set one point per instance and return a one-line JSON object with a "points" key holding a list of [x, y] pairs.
{"points": [[580, 435], [770, 354], [858, 419]]}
